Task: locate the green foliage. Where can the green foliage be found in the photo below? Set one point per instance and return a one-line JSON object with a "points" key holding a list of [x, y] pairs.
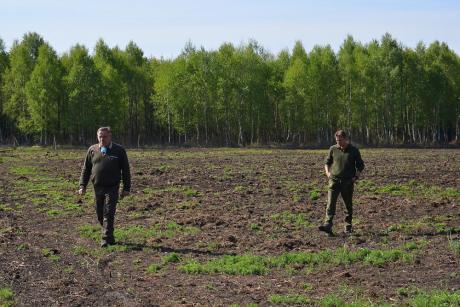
{"points": [[290, 299], [187, 191], [454, 245], [190, 192], [80, 250], [382, 257], [50, 254], [315, 194], [234, 265], [83, 84], [411, 189], [44, 92], [421, 298], [259, 265], [153, 268], [332, 300], [6, 294], [426, 224], [139, 233], [24, 170], [6, 297], [165, 260], [90, 231], [254, 227], [381, 92], [288, 219], [22, 59], [5, 208], [171, 258], [22, 247]]}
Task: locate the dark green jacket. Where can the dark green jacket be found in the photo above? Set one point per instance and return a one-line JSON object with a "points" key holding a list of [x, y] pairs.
{"points": [[344, 163], [106, 170]]}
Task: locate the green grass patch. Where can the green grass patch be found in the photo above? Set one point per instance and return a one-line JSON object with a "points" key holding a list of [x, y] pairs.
{"points": [[90, 231], [190, 192], [421, 298], [22, 247], [5, 208], [153, 268], [6, 297], [239, 188], [427, 224], [454, 245], [227, 174], [291, 299], [165, 260], [302, 190], [140, 233], [185, 190], [288, 219], [24, 170], [80, 250], [254, 227], [332, 300], [51, 212], [50, 254], [410, 189], [315, 194], [234, 265], [170, 258], [259, 265], [74, 208]]}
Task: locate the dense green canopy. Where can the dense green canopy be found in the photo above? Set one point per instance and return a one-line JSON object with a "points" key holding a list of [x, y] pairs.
{"points": [[381, 92]]}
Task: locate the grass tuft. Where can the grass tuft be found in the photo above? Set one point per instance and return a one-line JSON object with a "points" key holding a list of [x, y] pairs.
{"points": [[291, 299]]}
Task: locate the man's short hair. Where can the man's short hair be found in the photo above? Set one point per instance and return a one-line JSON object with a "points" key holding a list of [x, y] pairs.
{"points": [[341, 133], [107, 129]]}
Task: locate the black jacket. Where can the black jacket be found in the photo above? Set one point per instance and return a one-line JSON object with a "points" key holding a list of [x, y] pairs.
{"points": [[106, 170]]}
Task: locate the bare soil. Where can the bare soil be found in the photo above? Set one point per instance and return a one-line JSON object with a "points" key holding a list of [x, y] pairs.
{"points": [[239, 201]]}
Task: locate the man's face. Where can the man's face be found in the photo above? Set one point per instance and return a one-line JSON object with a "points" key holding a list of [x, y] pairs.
{"points": [[341, 141], [104, 138]]}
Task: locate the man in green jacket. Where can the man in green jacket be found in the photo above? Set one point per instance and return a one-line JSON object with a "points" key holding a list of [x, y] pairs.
{"points": [[106, 163], [343, 166]]}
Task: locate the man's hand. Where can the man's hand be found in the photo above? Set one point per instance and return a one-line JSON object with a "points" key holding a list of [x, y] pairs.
{"points": [[326, 169], [356, 177], [124, 193], [82, 191]]}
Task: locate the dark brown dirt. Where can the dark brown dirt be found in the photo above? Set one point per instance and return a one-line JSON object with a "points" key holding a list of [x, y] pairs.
{"points": [[236, 200]]}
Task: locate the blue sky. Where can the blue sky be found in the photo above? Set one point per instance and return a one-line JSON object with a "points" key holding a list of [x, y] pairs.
{"points": [[161, 28]]}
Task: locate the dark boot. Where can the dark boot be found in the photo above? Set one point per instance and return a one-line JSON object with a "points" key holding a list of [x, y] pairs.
{"points": [[107, 231], [348, 229], [327, 228]]}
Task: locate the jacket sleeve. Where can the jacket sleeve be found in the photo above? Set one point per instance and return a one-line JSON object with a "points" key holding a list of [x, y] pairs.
{"points": [[359, 161], [329, 159], [86, 169], [125, 171]]}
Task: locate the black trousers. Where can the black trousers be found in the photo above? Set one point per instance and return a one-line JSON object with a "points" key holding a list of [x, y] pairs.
{"points": [[106, 206]]}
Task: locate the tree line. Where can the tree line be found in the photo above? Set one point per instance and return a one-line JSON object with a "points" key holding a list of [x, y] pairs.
{"points": [[381, 92]]}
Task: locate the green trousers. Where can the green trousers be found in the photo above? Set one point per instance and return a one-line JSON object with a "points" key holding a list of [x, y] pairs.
{"points": [[106, 206], [338, 187]]}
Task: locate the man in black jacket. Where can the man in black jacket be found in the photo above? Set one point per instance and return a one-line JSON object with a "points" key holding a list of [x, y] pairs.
{"points": [[106, 163]]}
